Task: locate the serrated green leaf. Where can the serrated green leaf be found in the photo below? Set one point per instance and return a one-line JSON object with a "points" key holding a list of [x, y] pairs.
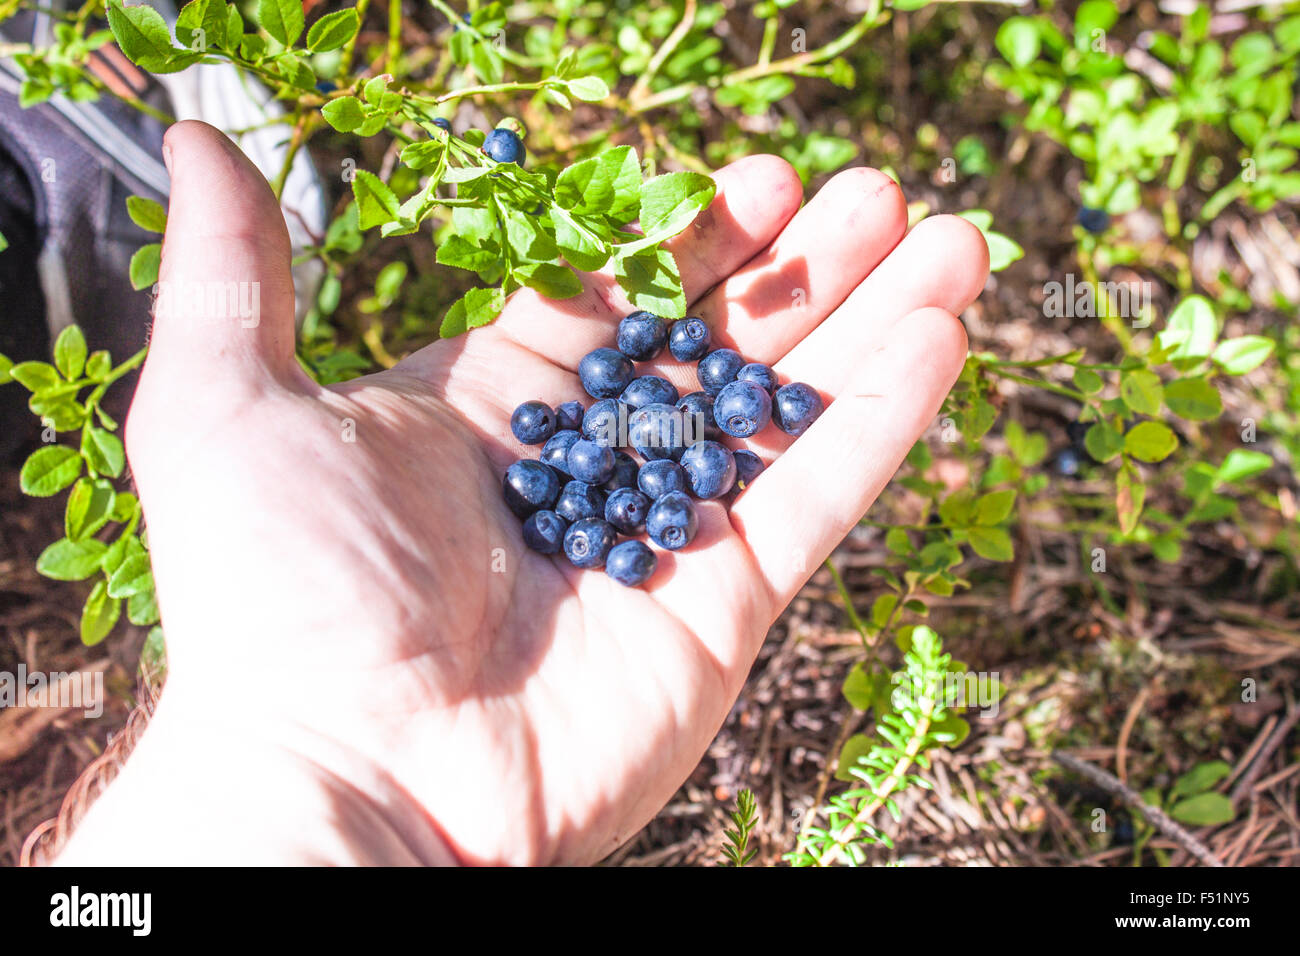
{"points": [[66, 560], [49, 470], [477, 307], [70, 352], [99, 615], [1141, 390], [344, 113], [283, 19], [652, 282], [991, 543], [90, 504], [141, 33], [103, 451], [607, 184], [994, 507], [376, 203], [144, 266], [133, 576], [333, 31], [36, 377], [592, 89], [669, 203]]}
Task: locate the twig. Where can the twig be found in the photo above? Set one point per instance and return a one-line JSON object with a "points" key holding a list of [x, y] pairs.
{"points": [[1154, 815], [1121, 748], [1270, 746]]}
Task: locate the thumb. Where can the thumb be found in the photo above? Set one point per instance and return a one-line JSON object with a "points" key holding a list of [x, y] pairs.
{"points": [[224, 310]]}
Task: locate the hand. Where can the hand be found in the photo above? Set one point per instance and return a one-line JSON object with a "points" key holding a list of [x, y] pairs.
{"points": [[351, 615]]}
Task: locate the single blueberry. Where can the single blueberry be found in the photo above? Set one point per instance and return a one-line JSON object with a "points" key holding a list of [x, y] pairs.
{"points": [[625, 472], [657, 431], [748, 467], [697, 418], [661, 476], [544, 532], [742, 409], [580, 500], [590, 462], [631, 563], [688, 339], [649, 390], [759, 374], [1095, 221], [1068, 462], [795, 407], [718, 368], [443, 124], [587, 542], [556, 450], [626, 510], [533, 422], [605, 422], [530, 486], [325, 86], [568, 415], [605, 373], [710, 468], [642, 336], [671, 522], [504, 146]]}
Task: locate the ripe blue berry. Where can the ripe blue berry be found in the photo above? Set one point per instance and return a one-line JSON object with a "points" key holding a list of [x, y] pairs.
{"points": [[568, 415], [748, 467], [533, 422], [710, 469], [742, 409], [1095, 221], [605, 373], [580, 500], [697, 418], [587, 542], [325, 86], [631, 563], [530, 486], [625, 472], [759, 374], [1068, 462], [671, 522], [604, 421], [442, 124], [626, 510], [544, 532], [795, 407], [718, 368], [504, 146], [590, 462], [641, 336], [661, 476], [556, 450], [649, 390], [656, 432], [688, 339]]}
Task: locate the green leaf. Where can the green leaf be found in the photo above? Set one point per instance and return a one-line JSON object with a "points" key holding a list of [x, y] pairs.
{"points": [[580, 248], [475, 308], [669, 203], [49, 470], [958, 508], [1103, 441], [146, 213], [1242, 464], [1130, 496], [89, 507], [858, 689], [1191, 329], [103, 451], [1200, 778], [1141, 391], [592, 89], [99, 615], [98, 365], [1194, 399], [1243, 354], [1087, 381], [333, 31], [859, 745], [994, 507], [345, 113], [608, 184], [951, 731], [144, 266], [652, 282], [1018, 41], [66, 560], [210, 16], [134, 576], [551, 280], [1150, 441], [142, 608], [376, 203], [283, 19], [35, 376], [1203, 810], [70, 352], [141, 33], [991, 543]]}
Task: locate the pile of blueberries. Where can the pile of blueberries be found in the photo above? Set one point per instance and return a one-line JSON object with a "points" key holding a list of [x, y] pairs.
{"points": [[587, 489]]}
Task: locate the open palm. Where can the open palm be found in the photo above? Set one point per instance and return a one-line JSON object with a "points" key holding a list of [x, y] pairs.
{"points": [[337, 571]]}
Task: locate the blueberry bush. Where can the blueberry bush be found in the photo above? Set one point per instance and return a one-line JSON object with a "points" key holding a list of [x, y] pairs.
{"points": [[489, 147]]}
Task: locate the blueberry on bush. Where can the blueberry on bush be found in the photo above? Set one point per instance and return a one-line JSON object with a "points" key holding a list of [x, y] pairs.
{"points": [[533, 422], [587, 542], [580, 500], [626, 510], [748, 467], [742, 409], [556, 450], [1095, 221], [544, 532], [530, 486], [760, 374], [605, 372], [710, 469], [671, 522], [661, 476], [442, 124], [631, 563], [568, 415], [688, 339], [642, 336], [590, 462], [795, 407], [718, 368], [504, 146], [649, 390]]}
